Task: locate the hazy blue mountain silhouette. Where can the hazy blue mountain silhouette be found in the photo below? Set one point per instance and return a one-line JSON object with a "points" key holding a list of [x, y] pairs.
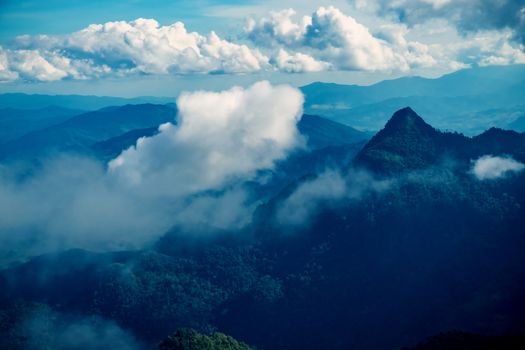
{"points": [[80, 132], [15, 123], [468, 100], [82, 102], [106, 132]]}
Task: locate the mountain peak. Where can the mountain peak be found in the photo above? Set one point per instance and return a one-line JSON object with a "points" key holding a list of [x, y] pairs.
{"points": [[406, 142], [405, 119]]}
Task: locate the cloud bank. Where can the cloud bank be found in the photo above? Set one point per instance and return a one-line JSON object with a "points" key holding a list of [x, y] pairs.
{"points": [[337, 41], [192, 173], [490, 167], [327, 39], [141, 46]]}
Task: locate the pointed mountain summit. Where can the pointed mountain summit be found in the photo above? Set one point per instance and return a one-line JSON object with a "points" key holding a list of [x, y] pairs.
{"points": [[407, 121], [407, 142]]}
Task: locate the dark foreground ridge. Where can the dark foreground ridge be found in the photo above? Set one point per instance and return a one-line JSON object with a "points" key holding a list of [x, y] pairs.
{"points": [[380, 267]]}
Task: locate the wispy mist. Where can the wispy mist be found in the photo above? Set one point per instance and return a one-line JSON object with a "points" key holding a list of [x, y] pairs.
{"points": [[192, 173], [43, 328], [331, 186]]}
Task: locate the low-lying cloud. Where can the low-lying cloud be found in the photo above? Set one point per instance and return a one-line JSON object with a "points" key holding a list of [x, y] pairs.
{"points": [[192, 173], [43, 328], [220, 137], [491, 167], [329, 187]]}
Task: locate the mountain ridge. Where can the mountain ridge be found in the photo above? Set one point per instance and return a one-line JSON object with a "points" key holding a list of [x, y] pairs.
{"points": [[407, 142]]}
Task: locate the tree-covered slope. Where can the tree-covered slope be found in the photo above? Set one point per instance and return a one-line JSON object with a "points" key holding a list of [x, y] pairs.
{"points": [[189, 339], [417, 246], [407, 142]]}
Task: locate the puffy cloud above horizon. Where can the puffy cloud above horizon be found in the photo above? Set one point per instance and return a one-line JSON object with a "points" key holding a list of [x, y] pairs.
{"points": [[338, 40], [490, 167], [141, 46], [327, 39]]}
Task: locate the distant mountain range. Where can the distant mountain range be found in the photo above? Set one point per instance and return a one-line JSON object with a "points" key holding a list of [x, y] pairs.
{"points": [[107, 132], [18, 122], [78, 133], [468, 101], [82, 102]]}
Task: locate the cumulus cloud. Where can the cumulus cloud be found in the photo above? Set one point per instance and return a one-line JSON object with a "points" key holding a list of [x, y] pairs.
{"points": [[330, 36], [140, 46], [46, 66], [489, 48], [299, 63], [467, 15], [491, 167], [187, 174], [328, 39], [328, 187], [220, 137]]}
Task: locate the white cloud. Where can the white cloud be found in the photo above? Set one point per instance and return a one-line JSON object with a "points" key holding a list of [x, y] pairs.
{"points": [[139, 46], [327, 188], [299, 63], [49, 66], [327, 39], [220, 136], [328, 35], [490, 167], [278, 27], [194, 173], [6, 74], [298, 208]]}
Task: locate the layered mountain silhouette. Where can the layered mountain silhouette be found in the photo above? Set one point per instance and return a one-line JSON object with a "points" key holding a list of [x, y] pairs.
{"points": [[468, 101], [81, 102], [15, 123], [322, 132], [80, 132], [407, 142], [107, 132]]}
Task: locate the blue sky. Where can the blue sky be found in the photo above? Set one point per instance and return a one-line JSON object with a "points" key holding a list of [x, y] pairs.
{"points": [[99, 47], [60, 16]]}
